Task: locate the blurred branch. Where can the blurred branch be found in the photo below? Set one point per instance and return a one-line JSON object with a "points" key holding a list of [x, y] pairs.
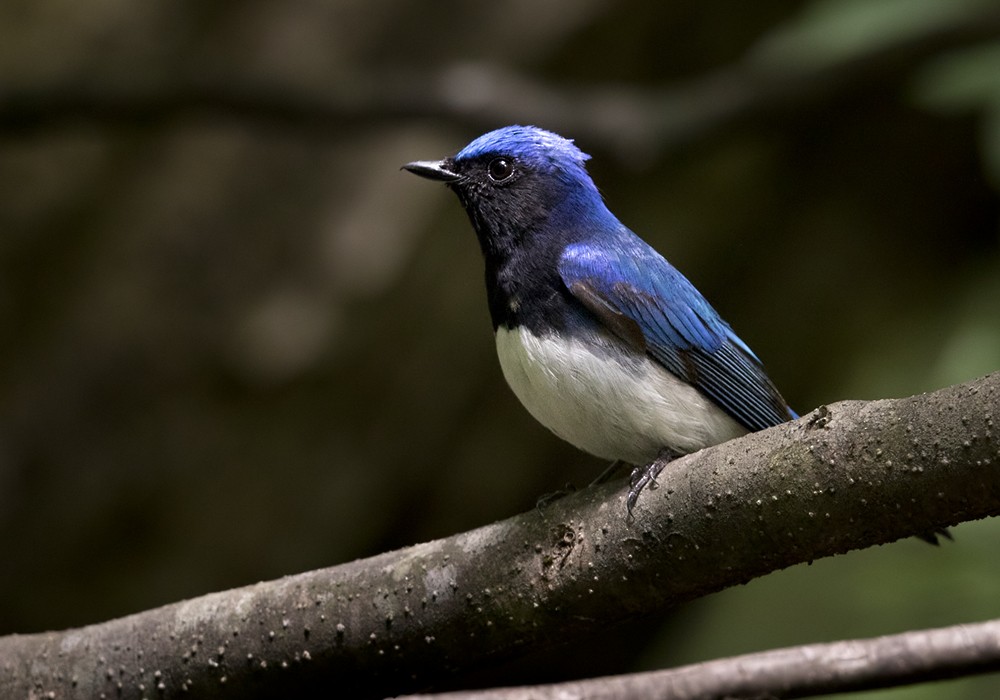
{"points": [[812, 669], [846, 476], [629, 121]]}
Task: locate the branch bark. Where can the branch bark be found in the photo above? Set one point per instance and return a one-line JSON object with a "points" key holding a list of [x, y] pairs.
{"points": [[795, 672], [846, 476]]}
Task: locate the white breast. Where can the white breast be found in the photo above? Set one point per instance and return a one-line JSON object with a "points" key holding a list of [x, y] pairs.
{"points": [[627, 408]]}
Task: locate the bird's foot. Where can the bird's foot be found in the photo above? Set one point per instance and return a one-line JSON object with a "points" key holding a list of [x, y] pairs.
{"points": [[646, 476], [931, 537]]}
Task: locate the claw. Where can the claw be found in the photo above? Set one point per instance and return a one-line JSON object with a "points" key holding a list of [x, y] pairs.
{"points": [[642, 477]]}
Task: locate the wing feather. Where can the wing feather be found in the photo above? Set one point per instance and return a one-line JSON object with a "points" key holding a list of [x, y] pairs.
{"points": [[636, 293]]}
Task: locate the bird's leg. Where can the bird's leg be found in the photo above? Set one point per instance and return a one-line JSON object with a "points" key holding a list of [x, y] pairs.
{"points": [[643, 476], [547, 499], [606, 475]]}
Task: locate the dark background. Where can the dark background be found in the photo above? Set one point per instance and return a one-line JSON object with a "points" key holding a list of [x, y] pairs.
{"points": [[237, 342]]}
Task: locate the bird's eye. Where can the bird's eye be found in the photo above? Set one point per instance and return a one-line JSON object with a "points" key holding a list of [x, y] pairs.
{"points": [[500, 169]]}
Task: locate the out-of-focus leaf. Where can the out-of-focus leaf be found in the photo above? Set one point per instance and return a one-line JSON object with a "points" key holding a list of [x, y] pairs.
{"points": [[828, 31]]}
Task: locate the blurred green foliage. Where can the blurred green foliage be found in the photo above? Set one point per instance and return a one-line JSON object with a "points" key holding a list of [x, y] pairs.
{"points": [[235, 346]]}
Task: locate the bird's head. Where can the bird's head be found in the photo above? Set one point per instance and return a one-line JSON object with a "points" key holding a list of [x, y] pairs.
{"points": [[519, 182]]}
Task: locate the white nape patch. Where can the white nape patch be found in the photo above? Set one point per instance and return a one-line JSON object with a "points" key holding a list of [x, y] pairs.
{"points": [[626, 409]]}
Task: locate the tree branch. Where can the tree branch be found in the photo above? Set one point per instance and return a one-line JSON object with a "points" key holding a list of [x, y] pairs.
{"points": [[794, 672], [846, 476]]}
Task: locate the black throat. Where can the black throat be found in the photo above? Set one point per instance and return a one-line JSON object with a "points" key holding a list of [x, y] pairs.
{"points": [[523, 286], [523, 228]]}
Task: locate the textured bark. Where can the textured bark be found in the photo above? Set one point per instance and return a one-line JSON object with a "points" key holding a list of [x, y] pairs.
{"points": [[846, 476], [809, 670]]}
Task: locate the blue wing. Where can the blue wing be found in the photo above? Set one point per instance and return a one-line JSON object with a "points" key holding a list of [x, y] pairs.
{"points": [[645, 301]]}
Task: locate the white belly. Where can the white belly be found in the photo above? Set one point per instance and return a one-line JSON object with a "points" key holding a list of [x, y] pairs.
{"points": [[628, 409]]}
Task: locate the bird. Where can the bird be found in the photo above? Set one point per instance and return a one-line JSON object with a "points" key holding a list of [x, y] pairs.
{"points": [[602, 340]]}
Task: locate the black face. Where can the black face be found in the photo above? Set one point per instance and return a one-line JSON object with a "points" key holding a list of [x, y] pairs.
{"points": [[511, 205], [506, 200]]}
